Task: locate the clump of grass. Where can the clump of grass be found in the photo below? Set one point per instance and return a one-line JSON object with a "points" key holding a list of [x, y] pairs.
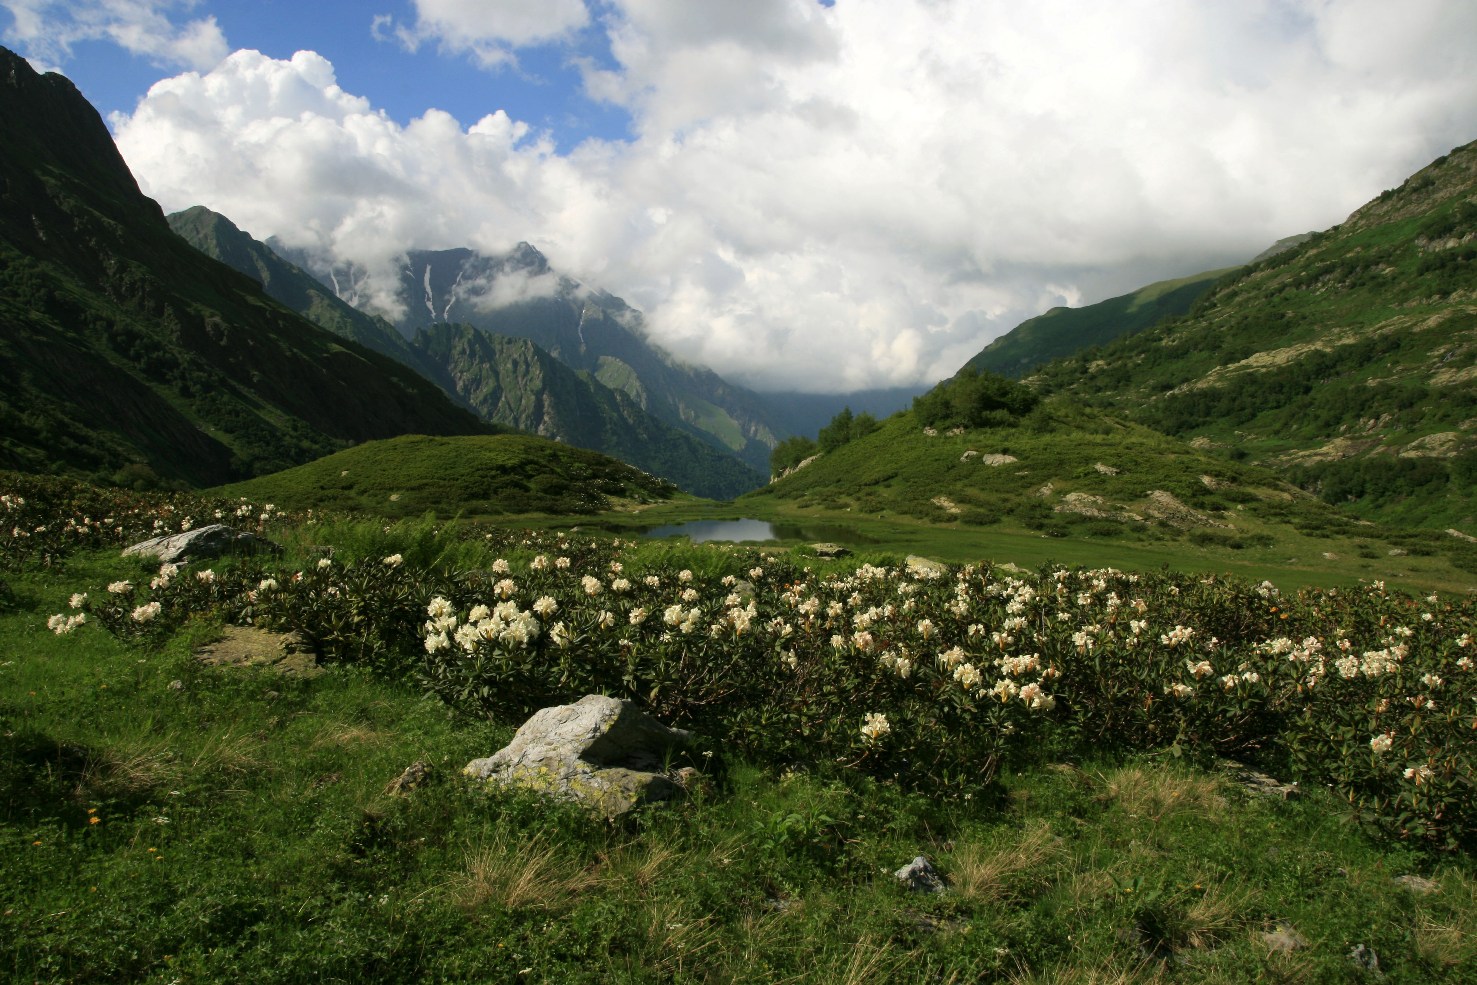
{"points": [[986, 873], [536, 873]]}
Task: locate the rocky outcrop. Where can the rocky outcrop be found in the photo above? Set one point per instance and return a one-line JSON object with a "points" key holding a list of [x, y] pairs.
{"points": [[600, 751], [202, 544]]}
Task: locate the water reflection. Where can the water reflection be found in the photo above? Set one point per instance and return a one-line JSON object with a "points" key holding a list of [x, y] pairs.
{"points": [[755, 531], [731, 531]]}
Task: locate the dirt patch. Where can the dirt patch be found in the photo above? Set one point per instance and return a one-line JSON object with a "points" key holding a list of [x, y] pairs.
{"points": [[249, 646]]}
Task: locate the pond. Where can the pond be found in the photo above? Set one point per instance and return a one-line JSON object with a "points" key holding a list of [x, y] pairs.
{"points": [[754, 531]]}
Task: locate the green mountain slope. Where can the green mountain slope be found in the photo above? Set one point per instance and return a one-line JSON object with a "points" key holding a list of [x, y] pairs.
{"points": [[1063, 331], [219, 238], [124, 346], [1346, 363], [521, 296], [481, 475], [506, 381], [1068, 471], [514, 382]]}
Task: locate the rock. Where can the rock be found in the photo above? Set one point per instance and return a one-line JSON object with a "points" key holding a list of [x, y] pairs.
{"points": [[1416, 884], [1365, 959], [830, 550], [1284, 940], [414, 775], [1260, 783], [1106, 469], [600, 751], [250, 646], [202, 544], [971, 453], [922, 567], [995, 461], [919, 876]]}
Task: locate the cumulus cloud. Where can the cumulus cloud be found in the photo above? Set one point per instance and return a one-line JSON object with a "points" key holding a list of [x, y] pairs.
{"points": [[826, 198], [49, 28], [488, 30]]}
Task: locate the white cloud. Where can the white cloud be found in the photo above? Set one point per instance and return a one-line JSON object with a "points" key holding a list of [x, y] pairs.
{"points": [[862, 195], [47, 29], [489, 30]]}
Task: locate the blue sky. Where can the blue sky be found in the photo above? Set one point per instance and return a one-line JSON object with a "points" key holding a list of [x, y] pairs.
{"points": [[800, 195], [541, 85]]}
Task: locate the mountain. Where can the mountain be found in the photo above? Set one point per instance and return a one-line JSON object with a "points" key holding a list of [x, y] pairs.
{"points": [[123, 347], [514, 382], [521, 296], [1347, 363], [1064, 331], [507, 381], [219, 238]]}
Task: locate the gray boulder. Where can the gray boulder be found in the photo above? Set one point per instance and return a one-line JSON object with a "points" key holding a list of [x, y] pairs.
{"points": [[600, 751], [919, 876], [202, 543]]}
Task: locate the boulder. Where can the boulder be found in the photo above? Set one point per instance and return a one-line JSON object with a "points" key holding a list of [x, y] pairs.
{"points": [[202, 543], [600, 751], [829, 550], [922, 567], [919, 876]]}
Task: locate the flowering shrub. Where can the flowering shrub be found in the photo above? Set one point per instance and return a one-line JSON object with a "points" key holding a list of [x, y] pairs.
{"points": [[938, 681]]}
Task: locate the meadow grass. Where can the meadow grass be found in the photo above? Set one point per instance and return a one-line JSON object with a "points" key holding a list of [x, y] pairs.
{"points": [[166, 821]]}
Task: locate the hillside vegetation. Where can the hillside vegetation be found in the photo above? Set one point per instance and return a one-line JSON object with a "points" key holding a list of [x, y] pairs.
{"points": [[1346, 363], [1052, 741], [481, 476]]}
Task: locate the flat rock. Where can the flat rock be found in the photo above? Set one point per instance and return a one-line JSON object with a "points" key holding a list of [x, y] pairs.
{"points": [[600, 751], [202, 543], [249, 646]]}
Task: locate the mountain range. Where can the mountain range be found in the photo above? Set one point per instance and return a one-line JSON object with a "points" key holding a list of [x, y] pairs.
{"points": [[124, 348], [1324, 384]]}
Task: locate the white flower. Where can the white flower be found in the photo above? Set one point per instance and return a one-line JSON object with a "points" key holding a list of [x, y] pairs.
{"points": [[1419, 774], [77, 600], [120, 587], [267, 585], [684, 575], [967, 675], [606, 619], [875, 726], [146, 612], [207, 576], [393, 561], [1382, 742], [620, 585], [591, 585], [1180, 691], [500, 566], [637, 616], [545, 606], [439, 607]]}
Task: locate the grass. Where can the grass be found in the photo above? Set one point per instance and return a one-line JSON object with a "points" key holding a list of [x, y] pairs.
{"points": [[165, 821]]}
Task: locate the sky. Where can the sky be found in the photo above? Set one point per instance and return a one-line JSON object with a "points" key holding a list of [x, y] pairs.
{"points": [[801, 195]]}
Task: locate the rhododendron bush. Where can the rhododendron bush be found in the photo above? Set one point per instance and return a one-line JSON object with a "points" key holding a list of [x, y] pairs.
{"points": [[940, 680]]}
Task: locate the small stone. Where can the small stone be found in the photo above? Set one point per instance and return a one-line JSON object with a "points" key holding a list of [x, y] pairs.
{"points": [[1284, 940], [1416, 884], [413, 776], [919, 876], [1365, 958]]}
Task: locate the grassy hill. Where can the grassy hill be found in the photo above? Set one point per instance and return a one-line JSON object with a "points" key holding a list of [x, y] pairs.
{"points": [[1063, 332], [124, 349], [1345, 363], [1083, 477], [412, 475]]}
